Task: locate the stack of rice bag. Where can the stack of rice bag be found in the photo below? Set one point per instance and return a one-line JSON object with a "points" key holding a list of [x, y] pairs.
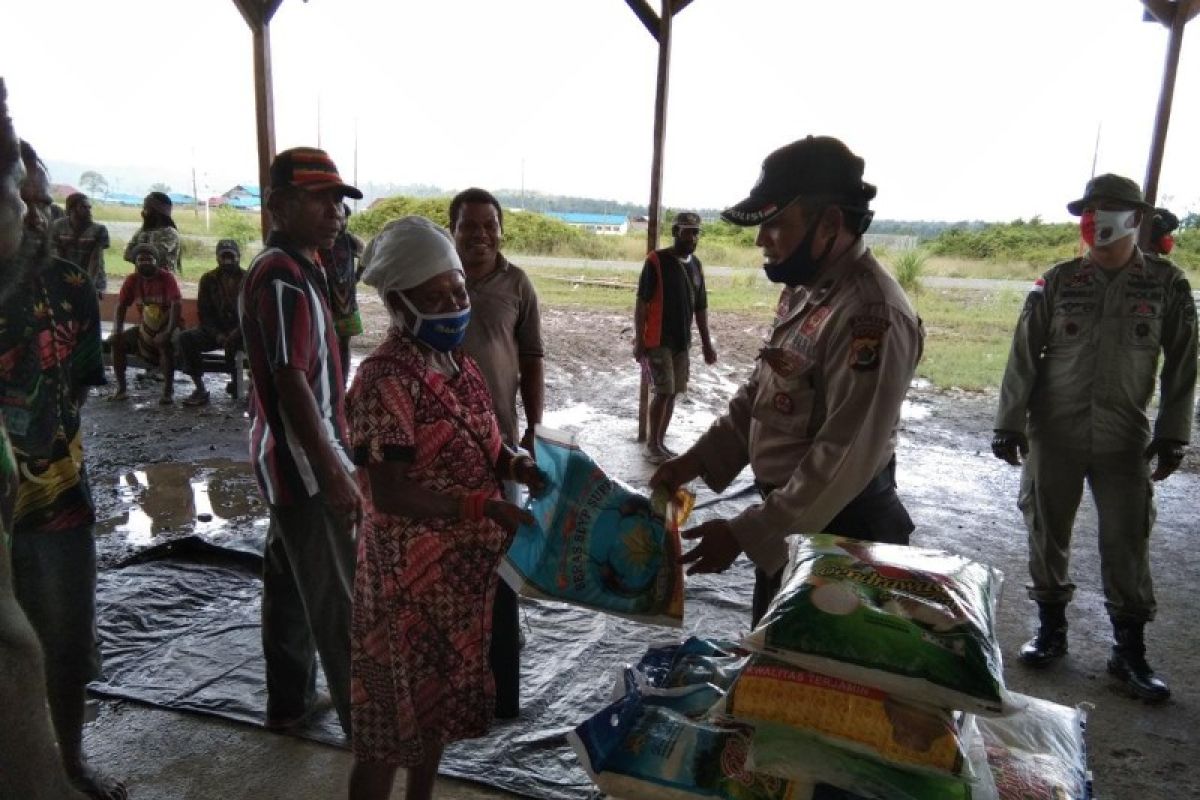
{"points": [[875, 674]]}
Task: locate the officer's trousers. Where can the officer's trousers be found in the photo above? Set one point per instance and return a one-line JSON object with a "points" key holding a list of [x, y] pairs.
{"points": [[1051, 488]]}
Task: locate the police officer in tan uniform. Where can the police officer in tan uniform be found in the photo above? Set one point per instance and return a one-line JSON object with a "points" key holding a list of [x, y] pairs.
{"points": [[1081, 373], [816, 421]]}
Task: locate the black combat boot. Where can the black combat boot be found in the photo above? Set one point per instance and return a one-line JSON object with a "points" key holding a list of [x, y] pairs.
{"points": [[1050, 644], [1128, 662]]}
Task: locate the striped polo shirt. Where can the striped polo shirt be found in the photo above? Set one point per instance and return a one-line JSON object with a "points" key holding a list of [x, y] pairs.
{"points": [[286, 324]]}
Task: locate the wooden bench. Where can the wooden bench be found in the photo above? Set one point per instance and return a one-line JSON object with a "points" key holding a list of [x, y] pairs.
{"points": [[213, 360]]}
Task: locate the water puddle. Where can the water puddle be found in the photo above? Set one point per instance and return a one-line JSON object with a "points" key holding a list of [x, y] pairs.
{"points": [[213, 499], [914, 411]]}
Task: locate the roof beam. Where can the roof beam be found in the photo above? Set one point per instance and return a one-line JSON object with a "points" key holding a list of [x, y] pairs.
{"points": [[1164, 11], [257, 12], [646, 14]]}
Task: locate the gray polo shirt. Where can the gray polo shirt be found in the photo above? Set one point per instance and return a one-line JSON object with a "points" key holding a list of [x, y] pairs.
{"points": [[505, 326]]}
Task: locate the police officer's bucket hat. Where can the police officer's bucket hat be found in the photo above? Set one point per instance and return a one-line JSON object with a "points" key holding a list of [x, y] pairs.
{"points": [[819, 168], [1111, 189]]}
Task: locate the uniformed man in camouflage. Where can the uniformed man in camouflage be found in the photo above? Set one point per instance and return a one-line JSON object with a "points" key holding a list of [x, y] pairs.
{"points": [[816, 421], [1081, 373]]}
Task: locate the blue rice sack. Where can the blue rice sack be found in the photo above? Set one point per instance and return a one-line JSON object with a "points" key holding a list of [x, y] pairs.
{"points": [[596, 542]]}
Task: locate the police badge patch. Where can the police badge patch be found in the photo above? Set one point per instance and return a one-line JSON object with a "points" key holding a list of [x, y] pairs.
{"points": [[866, 342]]}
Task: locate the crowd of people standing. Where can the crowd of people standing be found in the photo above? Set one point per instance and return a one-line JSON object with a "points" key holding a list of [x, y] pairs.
{"points": [[391, 503]]}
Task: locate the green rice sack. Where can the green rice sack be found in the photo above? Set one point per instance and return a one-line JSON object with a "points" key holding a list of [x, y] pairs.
{"points": [[911, 622]]}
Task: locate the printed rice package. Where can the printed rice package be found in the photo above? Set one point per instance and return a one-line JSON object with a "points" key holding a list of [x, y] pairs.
{"points": [[690, 678], [850, 715], [1036, 753], [636, 751], [598, 543], [800, 755], [914, 623]]}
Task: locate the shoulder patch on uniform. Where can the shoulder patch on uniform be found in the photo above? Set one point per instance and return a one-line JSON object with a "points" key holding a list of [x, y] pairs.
{"points": [[1039, 286], [866, 341]]}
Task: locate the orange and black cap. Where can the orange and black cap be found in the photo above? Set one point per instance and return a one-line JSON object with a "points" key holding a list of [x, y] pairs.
{"points": [[310, 169]]}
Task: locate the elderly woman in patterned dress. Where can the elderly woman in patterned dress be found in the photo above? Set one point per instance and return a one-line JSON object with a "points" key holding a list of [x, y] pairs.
{"points": [[430, 460]]}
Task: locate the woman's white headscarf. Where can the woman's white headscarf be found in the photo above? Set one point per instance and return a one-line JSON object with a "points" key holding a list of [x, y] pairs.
{"points": [[406, 253]]}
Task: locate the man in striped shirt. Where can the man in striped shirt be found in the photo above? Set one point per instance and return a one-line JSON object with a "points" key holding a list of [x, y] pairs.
{"points": [[298, 441]]}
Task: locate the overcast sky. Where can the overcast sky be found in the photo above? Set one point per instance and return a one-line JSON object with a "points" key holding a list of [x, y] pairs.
{"points": [[963, 109]]}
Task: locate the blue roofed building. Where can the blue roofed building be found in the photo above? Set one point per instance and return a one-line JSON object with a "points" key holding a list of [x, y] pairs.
{"points": [[607, 224]]}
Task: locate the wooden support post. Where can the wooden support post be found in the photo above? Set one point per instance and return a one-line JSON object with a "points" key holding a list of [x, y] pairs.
{"points": [[1162, 118], [258, 14], [656, 173]]}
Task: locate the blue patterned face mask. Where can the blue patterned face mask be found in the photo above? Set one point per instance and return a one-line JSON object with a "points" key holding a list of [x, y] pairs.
{"points": [[442, 332]]}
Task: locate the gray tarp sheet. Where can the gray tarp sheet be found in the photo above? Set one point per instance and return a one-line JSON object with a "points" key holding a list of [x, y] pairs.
{"points": [[179, 627]]}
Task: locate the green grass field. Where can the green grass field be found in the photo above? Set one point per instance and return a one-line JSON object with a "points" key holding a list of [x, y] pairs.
{"points": [[967, 332]]}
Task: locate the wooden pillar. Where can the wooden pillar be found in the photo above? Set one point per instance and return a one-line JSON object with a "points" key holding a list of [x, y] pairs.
{"points": [[1162, 118], [656, 173], [258, 14]]}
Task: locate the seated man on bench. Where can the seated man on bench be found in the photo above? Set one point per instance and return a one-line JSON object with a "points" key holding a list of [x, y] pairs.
{"points": [[217, 305], [156, 293]]}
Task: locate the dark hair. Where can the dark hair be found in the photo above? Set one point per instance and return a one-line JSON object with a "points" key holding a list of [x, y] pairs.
{"points": [[156, 219], [30, 156], [856, 216], [74, 199], [1161, 223], [473, 195]]}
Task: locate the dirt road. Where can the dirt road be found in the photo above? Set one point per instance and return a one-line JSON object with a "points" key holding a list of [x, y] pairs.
{"points": [[961, 498]]}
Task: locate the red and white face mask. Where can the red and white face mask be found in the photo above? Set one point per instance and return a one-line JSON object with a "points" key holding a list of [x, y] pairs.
{"points": [[1099, 228]]}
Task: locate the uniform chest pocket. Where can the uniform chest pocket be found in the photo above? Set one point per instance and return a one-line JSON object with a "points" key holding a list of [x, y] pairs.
{"points": [[1073, 322], [786, 403], [1142, 326]]}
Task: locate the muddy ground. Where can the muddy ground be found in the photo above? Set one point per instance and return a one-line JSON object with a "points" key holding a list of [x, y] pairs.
{"points": [[159, 472]]}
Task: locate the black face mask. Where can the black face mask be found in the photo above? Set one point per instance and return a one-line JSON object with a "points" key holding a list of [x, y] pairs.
{"points": [[800, 266]]}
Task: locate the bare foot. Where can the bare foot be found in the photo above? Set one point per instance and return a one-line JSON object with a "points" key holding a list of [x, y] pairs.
{"points": [[96, 785]]}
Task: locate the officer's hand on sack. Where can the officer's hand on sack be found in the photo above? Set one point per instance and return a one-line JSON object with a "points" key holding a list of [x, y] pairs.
{"points": [[527, 441], [1170, 456], [718, 548], [1010, 446], [508, 516], [525, 470], [675, 472]]}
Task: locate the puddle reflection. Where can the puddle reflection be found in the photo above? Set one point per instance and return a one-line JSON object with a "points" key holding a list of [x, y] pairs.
{"points": [[205, 498]]}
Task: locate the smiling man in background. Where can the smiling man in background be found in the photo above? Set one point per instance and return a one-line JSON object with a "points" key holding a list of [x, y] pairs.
{"points": [[505, 339]]}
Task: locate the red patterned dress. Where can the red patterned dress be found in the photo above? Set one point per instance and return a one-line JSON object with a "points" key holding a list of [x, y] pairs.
{"points": [[424, 588]]}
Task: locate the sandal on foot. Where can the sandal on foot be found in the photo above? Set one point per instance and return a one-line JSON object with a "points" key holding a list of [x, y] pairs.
{"points": [[119, 394], [197, 398]]}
